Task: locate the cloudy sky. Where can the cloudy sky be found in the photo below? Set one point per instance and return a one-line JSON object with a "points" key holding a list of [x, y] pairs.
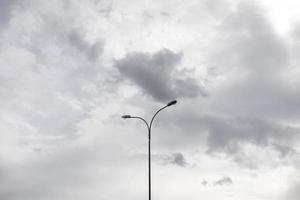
{"points": [[69, 69]]}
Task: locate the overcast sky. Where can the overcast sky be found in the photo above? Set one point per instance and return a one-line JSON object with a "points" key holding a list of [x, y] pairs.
{"points": [[69, 69]]}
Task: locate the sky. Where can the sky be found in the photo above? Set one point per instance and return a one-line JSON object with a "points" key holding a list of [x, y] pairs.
{"points": [[70, 69]]}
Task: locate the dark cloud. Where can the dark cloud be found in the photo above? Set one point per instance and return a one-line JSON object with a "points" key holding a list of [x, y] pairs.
{"points": [[93, 51], [256, 104], [154, 73], [224, 181], [226, 133], [5, 12], [285, 149], [178, 159], [167, 159], [257, 63], [259, 48], [257, 95]]}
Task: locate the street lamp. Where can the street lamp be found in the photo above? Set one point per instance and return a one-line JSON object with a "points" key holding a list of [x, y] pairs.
{"points": [[149, 137]]}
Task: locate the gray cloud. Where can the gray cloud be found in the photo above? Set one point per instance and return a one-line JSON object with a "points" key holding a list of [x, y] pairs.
{"points": [[258, 95], [57, 87], [92, 51], [5, 12], [178, 159], [166, 159], [226, 134], [154, 73], [223, 181], [259, 63], [59, 65], [257, 104]]}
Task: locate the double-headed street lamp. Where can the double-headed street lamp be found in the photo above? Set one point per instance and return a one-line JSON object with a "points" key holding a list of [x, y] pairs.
{"points": [[149, 137]]}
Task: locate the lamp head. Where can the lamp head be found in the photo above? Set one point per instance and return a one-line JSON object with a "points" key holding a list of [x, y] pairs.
{"points": [[172, 103], [126, 116]]}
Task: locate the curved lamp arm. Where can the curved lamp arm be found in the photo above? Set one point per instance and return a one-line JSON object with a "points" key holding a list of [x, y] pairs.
{"points": [[148, 127], [129, 116], [169, 104], [155, 116]]}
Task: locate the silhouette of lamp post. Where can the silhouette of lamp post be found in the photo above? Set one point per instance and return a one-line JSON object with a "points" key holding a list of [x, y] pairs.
{"points": [[149, 137]]}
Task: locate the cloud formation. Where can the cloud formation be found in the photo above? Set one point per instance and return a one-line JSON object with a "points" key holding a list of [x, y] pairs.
{"points": [[69, 69], [257, 65], [223, 181], [252, 99], [155, 74], [53, 72]]}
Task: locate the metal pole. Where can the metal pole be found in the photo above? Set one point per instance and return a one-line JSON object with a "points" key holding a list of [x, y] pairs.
{"points": [[149, 162], [149, 138], [149, 148]]}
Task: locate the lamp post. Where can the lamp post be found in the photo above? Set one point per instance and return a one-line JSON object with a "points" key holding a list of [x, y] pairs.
{"points": [[149, 138]]}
